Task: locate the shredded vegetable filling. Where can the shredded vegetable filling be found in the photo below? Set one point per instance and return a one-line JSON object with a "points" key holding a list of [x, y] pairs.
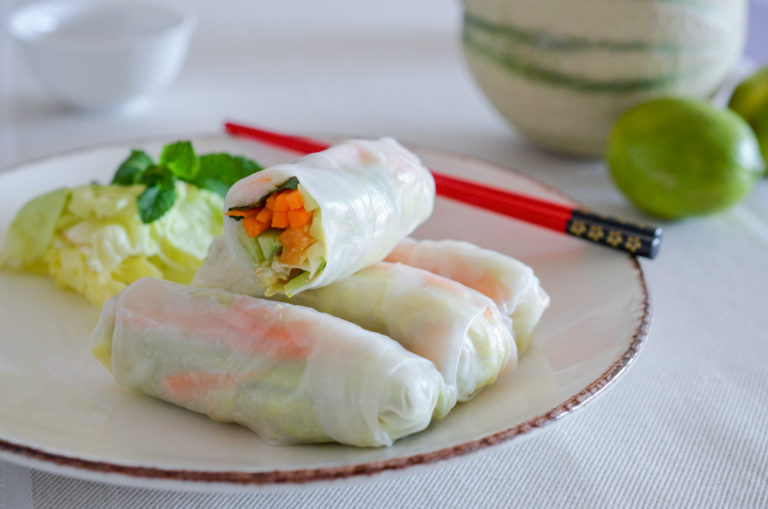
{"points": [[283, 210]]}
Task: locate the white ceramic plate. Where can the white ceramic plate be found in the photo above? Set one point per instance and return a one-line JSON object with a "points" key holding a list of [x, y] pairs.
{"points": [[61, 411]]}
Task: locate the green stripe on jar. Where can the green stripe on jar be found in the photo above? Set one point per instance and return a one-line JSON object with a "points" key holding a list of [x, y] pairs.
{"points": [[537, 72], [570, 43]]}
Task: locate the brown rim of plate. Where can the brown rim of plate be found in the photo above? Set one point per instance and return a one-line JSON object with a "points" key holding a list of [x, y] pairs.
{"points": [[278, 477]]}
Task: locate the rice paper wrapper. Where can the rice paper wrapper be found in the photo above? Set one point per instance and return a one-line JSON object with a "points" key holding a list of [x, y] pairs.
{"points": [[510, 283], [370, 195], [289, 373], [460, 330]]}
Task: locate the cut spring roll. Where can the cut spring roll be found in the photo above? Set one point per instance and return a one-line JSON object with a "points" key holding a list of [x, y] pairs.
{"points": [[289, 373], [311, 222], [510, 283], [460, 330]]}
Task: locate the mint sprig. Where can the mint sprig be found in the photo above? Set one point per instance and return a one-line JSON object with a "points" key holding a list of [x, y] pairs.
{"points": [[181, 160], [219, 171], [131, 170], [178, 161]]}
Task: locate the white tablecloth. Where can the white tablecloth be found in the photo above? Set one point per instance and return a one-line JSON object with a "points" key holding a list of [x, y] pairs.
{"points": [[686, 426]]}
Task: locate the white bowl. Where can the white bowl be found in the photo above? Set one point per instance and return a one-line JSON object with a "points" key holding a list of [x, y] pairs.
{"points": [[103, 54]]}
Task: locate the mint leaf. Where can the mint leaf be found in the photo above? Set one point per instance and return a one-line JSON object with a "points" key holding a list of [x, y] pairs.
{"points": [[219, 171], [132, 169], [155, 201], [291, 183], [180, 158], [159, 176], [160, 194]]}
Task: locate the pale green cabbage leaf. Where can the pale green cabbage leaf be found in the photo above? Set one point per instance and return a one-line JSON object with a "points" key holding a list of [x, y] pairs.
{"points": [[91, 239]]}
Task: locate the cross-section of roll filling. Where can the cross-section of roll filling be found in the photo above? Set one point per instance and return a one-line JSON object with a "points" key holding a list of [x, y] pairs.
{"points": [[280, 234], [309, 222]]}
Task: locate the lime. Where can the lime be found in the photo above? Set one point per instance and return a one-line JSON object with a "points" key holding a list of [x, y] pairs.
{"points": [[750, 95], [759, 123], [750, 100], [677, 157]]}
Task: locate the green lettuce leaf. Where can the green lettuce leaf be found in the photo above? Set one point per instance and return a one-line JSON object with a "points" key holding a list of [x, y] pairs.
{"points": [[32, 230], [101, 202]]}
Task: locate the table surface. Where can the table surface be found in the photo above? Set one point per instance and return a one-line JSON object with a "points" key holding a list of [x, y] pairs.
{"points": [[684, 427]]}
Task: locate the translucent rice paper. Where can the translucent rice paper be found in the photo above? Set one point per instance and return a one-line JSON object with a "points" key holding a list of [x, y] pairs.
{"points": [[371, 194], [510, 283], [289, 373], [457, 328]]}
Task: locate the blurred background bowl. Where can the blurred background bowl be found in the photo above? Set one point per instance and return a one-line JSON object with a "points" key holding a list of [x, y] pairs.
{"points": [[103, 54], [562, 72]]}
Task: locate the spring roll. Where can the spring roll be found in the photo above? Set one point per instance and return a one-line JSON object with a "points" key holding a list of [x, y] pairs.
{"points": [[308, 223], [460, 330], [289, 373], [510, 283]]}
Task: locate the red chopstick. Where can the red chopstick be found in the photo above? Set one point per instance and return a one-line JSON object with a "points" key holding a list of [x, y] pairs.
{"points": [[641, 240]]}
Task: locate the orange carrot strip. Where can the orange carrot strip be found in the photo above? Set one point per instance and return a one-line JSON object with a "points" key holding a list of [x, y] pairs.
{"points": [[294, 200], [295, 241], [191, 384], [279, 219], [289, 343], [271, 201], [265, 216], [281, 204], [246, 330], [298, 218], [253, 227]]}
